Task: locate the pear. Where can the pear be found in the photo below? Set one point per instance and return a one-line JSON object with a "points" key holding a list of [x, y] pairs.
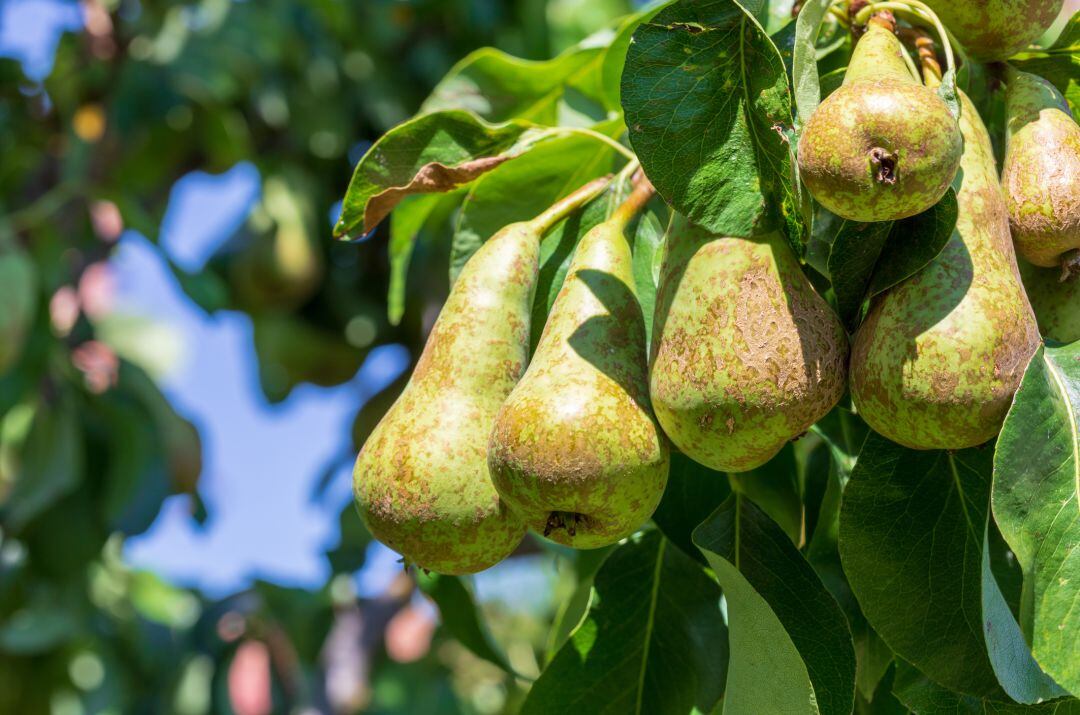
{"points": [[882, 146], [939, 356], [421, 479], [576, 450], [746, 355], [993, 30], [1042, 173], [1056, 302]]}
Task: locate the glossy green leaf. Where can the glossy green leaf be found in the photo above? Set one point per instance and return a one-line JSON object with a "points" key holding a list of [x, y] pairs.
{"points": [[648, 240], [499, 87], [925, 697], [804, 63], [1059, 63], [693, 492], [615, 57], [432, 153], [791, 650], [653, 642], [706, 99], [1036, 504], [572, 610], [774, 487], [913, 545]]}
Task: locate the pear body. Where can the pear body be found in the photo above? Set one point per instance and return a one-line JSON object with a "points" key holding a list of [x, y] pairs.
{"points": [[939, 356], [1041, 176], [421, 480], [994, 30], [576, 450], [1056, 302], [882, 146], [746, 355]]}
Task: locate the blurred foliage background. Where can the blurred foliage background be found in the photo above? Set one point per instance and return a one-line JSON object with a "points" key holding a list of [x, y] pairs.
{"points": [[141, 93]]}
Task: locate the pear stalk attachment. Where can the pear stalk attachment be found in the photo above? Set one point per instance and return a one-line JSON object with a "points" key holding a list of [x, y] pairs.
{"points": [[994, 30], [576, 451], [421, 479], [746, 355], [1042, 173], [881, 147]]}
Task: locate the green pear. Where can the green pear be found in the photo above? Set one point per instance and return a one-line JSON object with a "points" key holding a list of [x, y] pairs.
{"points": [[939, 357], [882, 146], [746, 355], [993, 30], [18, 296], [1042, 173], [576, 450], [421, 479], [1056, 302]]}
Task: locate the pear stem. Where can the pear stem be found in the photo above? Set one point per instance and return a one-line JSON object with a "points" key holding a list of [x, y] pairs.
{"points": [[567, 205], [1070, 266], [913, 11], [931, 69], [641, 195]]}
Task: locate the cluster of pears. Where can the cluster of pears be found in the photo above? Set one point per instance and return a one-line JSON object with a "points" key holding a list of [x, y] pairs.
{"points": [[486, 442]]}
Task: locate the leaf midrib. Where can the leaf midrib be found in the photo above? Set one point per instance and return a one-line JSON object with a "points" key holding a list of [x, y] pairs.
{"points": [[1074, 429], [650, 621]]}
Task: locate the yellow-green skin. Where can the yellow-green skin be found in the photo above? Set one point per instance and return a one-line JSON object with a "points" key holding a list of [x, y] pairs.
{"points": [[576, 450], [1056, 303], [421, 480], [1042, 170], [18, 303], [939, 357], [993, 30], [746, 355], [881, 147]]}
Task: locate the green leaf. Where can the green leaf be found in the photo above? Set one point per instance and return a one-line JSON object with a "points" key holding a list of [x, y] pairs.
{"points": [[1060, 63], [499, 87], [432, 153], [38, 627], [804, 62], [791, 650], [925, 697], [648, 241], [572, 610], [913, 545], [50, 466], [615, 57], [1036, 504], [693, 492], [653, 642], [774, 487], [461, 616], [137, 478], [406, 222], [706, 99], [867, 259], [354, 538]]}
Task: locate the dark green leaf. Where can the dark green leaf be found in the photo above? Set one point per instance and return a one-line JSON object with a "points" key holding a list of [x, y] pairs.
{"points": [[791, 649], [855, 251], [915, 242], [461, 616], [913, 545], [1036, 498], [774, 487], [706, 99], [615, 57], [1060, 63], [693, 492], [572, 610], [926, 697], [432, 153], [406, 223], [654, 640]]}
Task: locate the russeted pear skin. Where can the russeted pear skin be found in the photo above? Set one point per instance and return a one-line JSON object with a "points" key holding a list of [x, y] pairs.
{"points": [[882, 146], [746, 355], [994, 30], [421, 479], [1041, 176], [939, 357], [1056, 302], [576, 450]]}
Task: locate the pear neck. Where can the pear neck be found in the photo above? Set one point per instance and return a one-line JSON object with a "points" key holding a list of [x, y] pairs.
{"points": [[1027, 95], [878, 55]]}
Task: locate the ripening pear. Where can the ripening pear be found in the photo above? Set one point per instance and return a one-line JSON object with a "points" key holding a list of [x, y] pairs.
{"points": [[1042, 173], [940, 355], [18, 303], [576, 450], [421, 479], [882, 146], [993, 30], [746, 355], [1056, 302]]}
